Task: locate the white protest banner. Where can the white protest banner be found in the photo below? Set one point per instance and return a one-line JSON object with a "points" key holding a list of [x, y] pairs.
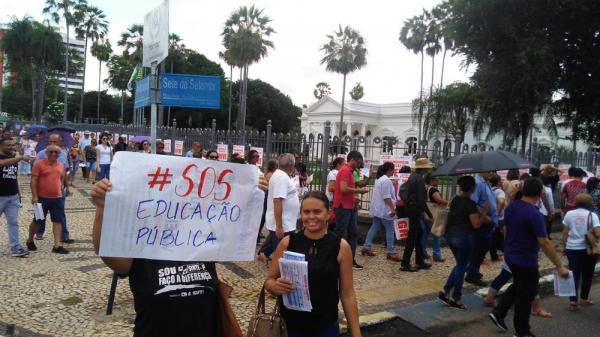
{"points": [[597, 171], [181, 209], [397, 160], [564, 171], [222, 150], [178, 148], [401, 228], [260, 154], [115, 138], [402, 177], [366, 170], [167, 143], [239, 149]]}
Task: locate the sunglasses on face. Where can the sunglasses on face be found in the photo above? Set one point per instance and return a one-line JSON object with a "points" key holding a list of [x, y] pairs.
{"points": [[255, 156], [213, 157], [52, 152], [146, 144]]}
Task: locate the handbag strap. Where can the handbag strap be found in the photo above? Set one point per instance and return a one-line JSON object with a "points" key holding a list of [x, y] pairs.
{"points": [[589, 222], [260, 307]]}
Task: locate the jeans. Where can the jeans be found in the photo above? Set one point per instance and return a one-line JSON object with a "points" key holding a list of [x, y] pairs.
{"points": [[500, 280], [389, 233], [331, 331], [520, 294], [104, 172], [462, 249], [435, 241], [62, 218], [482, 241], [497, 243], [414, 240], [271, 243], [25, 167], [9, 205], [74, 168], [346, 226], [582, 266]]}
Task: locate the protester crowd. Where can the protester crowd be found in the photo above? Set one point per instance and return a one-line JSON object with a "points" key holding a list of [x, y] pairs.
{"points": [[510, 218]]}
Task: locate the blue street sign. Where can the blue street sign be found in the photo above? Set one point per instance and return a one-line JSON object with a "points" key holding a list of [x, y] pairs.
{"points": [[190, 91], [142, 93]]}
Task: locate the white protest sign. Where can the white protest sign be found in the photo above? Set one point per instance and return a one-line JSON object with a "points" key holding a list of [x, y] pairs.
{"points": [[222, 150], [167, 143], [403, 177], [178, 148], [260, 154], [239, 149], [397, 160], [597, 171], [181, 209], [156, 35]]}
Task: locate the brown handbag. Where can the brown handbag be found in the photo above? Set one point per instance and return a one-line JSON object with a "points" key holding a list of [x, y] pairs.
{"points": [[229, 324], [266, 324], [591, 241]]}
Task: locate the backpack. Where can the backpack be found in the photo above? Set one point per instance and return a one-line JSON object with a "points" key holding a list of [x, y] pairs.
{"points": [[403, 192]]}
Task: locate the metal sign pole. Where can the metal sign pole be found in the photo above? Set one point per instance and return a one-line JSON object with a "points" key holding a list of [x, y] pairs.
{"points": [[154, 100]]}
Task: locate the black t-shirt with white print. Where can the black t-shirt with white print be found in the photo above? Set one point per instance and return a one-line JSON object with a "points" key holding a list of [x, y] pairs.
{"points": [[8, 179], [174, 299]]}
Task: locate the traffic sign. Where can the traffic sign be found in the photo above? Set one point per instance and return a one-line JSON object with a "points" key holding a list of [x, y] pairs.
{"points": [[142, 93], [156, 35], [190, 91]]}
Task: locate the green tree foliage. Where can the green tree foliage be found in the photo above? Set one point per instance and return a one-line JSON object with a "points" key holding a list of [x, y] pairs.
{"points": [[101, 50], [357, 92], [345, 52], [132, 40], [322, 89], [453, 110]]}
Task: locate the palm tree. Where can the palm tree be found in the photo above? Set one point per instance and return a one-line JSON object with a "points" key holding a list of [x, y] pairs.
{"points": [[441, 14], [322, 89], [54, 9], [119, 71], [226, 56], [412, 36], [102, 52], [345, 52], [245, 40], [132, 41], [432, 48], [93, 25]]}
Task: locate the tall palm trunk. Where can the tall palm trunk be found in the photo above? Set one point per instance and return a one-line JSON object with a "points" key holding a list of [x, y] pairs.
{"points": [[244, 93], [98, 103], [342, 112], [421, 97], [122, 112], [428, 118], [80, 116], [34, 114], [230, 93], [443, 64], [66, 102], [239, 118]]}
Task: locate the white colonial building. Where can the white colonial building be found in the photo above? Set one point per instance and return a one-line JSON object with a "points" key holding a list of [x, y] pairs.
{"points": [[395, 120]]}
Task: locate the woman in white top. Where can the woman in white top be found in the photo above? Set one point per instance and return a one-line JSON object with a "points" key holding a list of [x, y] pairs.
{"points": [[383, 209], [104, 158], [577, 223], [335, 167]]}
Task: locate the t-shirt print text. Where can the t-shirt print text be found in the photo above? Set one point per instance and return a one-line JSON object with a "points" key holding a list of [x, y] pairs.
{"points": [[183, 281], [9, 172]]}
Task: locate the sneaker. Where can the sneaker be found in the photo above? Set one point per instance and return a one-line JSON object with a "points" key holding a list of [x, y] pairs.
{"points": [[356, 266], [477, 282], [67, 241], [39, 237], [499, 322], [424, 266], [31, 246], [60, 250], [438, 259], [409, 268], [21, 252]]}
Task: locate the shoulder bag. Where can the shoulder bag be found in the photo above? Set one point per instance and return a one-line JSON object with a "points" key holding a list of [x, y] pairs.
{"points": [[264, 324], [591, 241]]}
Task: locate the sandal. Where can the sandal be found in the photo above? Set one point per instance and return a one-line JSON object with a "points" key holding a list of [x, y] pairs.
{"points": [[457, 305], [367, 252], [442, 297], [573, 306], [542, 313], [586, 303]]}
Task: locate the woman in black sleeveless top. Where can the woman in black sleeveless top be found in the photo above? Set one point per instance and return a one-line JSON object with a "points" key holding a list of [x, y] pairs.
{"points": [[329, 274]]}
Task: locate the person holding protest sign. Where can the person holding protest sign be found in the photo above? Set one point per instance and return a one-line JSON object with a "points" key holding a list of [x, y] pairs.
{"points": [[160, 308], [330, 276]]}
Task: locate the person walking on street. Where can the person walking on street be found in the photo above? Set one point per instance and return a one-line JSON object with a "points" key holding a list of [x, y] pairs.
{"points": [[104, 157], [383, 209], [525, 235], [10, 196], [570, 190], [120, 146], [463, 219], [90, 160], [498, 232], [415, 198], [577, 223], [593, 189], [344, 202], [283, 205], [47, 179], [336, 165], [434, 197], [483, 236]]}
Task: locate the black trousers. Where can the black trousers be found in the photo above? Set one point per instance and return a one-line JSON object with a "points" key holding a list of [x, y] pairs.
{"points": [[520, 294], [414, 240], [497, 243]]}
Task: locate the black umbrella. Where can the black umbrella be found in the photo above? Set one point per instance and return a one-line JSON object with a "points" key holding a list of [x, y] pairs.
{"points": [[485, 161]]}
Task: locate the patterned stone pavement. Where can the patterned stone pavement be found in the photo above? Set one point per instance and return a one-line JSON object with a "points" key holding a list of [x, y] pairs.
{"points": [[46, 294]]}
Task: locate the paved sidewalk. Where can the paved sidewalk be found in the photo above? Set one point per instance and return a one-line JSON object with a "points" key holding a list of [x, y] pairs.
{"points": [[49, 295]]}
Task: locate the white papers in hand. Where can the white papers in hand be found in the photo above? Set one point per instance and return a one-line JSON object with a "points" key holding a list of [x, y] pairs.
{"points": [[564, 286], [297, 272], [38, 211]]}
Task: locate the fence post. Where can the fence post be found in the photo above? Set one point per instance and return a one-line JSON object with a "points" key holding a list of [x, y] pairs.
{"points": [[590, 165], [325, 156], [268, 143], [213, 133], [173, 134], [533, 153], [457, 144]]}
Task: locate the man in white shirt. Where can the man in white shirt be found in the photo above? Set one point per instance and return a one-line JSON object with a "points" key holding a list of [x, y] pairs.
{"points": [[283, 205]]}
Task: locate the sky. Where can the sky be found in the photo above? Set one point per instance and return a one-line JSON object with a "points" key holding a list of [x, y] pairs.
{"points": [[392, 73]]}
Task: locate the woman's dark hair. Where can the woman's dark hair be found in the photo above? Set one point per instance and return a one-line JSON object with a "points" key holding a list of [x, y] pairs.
{"points": [[405, 169], [272, 165], [237, 160], [524, 176], [384, 168], [547, 180], [466, 183], [592, 184], [316, 195], [512, 174], [579, 172], [571, 171], [495, 179], [535, 172], [429, 178], [211, 151], [250, 154], [532, 187], [337, 161]]}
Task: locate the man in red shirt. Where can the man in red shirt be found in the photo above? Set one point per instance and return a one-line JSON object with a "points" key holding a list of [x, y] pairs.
{"points": [[571, 189], [344, 202], [47, 178]]}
